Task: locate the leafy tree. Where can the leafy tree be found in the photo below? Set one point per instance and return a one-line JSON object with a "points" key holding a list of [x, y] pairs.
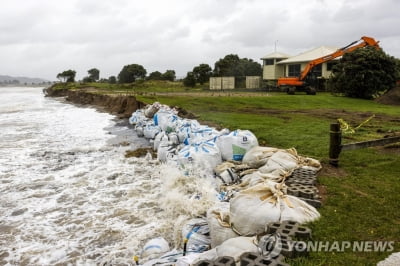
{"points": [[169, 75], [397, 60], [232, 65], [87, 79], [67, 76], [130, 73], [250, 68], [202, 73], [189, 80], [364, 73], [156, 75], [94, 74], [112, 80], [227, 66]]}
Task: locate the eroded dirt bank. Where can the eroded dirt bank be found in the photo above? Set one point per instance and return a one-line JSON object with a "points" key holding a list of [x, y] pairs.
{"points": [[120, 105]]}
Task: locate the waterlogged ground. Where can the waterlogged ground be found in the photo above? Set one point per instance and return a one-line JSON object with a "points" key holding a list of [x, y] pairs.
{"points": [[68, 194]]}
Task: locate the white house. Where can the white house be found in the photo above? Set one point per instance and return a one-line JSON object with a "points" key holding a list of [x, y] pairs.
{"points": [[276, 65], [271, 69]]}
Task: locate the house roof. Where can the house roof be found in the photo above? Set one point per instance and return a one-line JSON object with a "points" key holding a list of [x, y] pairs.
{"points": [[310, 55], [275, 55]]}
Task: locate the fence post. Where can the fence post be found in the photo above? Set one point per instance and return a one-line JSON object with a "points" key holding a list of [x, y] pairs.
{"points": [[335, 144]]}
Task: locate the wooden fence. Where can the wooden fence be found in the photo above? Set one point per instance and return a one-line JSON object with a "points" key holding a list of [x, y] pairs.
{"points": [[336, 146]]}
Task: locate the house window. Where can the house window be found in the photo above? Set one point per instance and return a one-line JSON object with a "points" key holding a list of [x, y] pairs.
{"points": [[268, 62], [294, 70], [330, 65], [317, 70]]}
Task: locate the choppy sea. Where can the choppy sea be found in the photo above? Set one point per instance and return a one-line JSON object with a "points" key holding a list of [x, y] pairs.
{"points": [[68, 195]]}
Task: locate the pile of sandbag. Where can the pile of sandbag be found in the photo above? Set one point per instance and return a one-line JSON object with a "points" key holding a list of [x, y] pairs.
{"points": [[249, 183], [186, 141]]}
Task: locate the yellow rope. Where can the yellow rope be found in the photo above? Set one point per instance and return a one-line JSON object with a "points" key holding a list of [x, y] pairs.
{"points": [[347, 129]]}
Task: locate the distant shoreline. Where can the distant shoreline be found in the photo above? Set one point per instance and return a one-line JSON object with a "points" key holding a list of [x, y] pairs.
{"points": [[25, 85]]}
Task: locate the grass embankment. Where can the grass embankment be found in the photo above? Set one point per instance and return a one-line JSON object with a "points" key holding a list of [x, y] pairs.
{"points": [[362, 197], [139, 87], [362, 201]]}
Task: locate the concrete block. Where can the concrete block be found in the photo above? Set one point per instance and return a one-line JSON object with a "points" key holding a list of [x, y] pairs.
{"points": [[303, 191], [225, 260], [294, 230], [316, 203], [248, 258], [204, 263], [251, 258], [311, 181]]}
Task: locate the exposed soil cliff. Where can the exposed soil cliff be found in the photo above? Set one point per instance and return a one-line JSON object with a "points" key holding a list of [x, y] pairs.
{"points": [[122, 106]]}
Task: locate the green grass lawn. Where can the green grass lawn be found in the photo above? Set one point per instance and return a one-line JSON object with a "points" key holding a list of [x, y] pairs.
{"points": [[362, 196], [361, 201]]}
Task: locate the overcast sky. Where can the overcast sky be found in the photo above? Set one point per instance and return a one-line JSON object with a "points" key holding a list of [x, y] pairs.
{"points": [[40, 38]]}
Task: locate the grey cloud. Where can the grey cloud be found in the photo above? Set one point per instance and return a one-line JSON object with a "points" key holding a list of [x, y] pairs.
{"points": [[43, 37]]}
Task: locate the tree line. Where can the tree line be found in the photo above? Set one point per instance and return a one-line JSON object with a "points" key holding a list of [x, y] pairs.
{"points": [[363, 73], [230, 65]]}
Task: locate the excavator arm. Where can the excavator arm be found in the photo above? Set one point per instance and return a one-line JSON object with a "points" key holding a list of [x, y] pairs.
{"points": [[293, 82], [366, 41]]}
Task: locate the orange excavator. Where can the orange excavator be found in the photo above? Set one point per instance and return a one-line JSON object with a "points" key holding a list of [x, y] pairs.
{"points": [[291, 84]]}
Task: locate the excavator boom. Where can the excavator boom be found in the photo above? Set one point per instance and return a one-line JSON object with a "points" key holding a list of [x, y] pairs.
{"points": [[299, 81]]}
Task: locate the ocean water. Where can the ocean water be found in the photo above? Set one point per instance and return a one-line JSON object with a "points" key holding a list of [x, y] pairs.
{"points": [[68, 195]]}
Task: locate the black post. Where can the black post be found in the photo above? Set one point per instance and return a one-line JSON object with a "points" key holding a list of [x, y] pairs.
{"points": [[335, 144]]}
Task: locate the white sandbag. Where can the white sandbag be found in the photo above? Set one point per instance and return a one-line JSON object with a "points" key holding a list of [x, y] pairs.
{"points": [[208, 255], [227, 177], [205, 155], [139, 130], [184, 133], [166, 120], [154, 248], [234, 145], [259, 177], [295, 209], [150, 131], [204, 133], [286, 160], [171, 124], [136, 117], [186, 260], [166, 259], [252, 209], [218, 221], [310, 162], [258, 153], [226, 174], [166, 151], [252, 179], [224, 166], [184, 122], [150, 110], [162, 136], [197, 233], [233, 247], [173, 137], [190, 132]]}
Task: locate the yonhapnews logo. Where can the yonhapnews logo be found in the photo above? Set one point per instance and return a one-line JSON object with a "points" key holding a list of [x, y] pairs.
{"points": [[270, 246]]}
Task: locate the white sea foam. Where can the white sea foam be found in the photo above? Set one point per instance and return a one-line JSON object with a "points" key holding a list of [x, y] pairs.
{"points": [[68, 194]]}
